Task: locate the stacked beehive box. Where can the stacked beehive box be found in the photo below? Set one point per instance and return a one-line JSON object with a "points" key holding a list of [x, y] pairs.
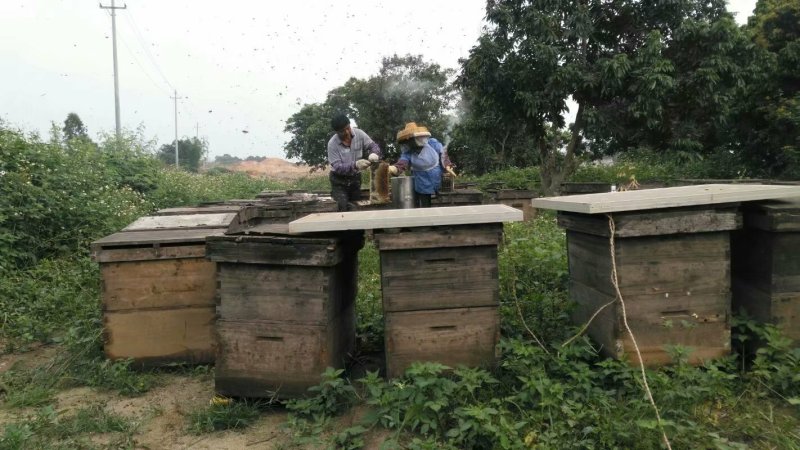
{"points": [[673, 271], [158, 289], [766, 265], [458, 197], [518, 198], [285, 309], [440, 295]]}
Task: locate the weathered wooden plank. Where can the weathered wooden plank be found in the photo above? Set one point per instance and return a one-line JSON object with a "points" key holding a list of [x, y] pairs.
{"points": [[698, 263], [768, 260], [155, 337], [781, 309], [455, 277], [400, 218], [257, 359], [700, 323], [515, 194], [158, 284], [440, 237], [248, 249], [186, 210], [221, 220], [290, 294], [453, 337], [665, 198], [171, 251], [522, 204], [130, 239], [655, 222]]}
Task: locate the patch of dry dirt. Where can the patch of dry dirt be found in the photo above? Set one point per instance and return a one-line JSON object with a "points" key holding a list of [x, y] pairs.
{"points": [[275, 168], [162, 414]]}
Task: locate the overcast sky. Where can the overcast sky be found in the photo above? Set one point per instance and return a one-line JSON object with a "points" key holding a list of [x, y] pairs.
{"points": [[243, 66]]}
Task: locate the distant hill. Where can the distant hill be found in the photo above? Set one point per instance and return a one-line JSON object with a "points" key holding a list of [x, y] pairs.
{"points": [[275, 168]]}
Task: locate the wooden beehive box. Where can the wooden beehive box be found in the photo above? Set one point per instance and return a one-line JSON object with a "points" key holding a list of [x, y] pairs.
{"points": [[158, 289], [458, 197], [440, 295], [766, 265], [520, 199], [673, 269], [286, 309]]}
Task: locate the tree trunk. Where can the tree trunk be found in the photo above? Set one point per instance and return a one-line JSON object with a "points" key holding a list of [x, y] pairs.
{"points": [[552, 175]]}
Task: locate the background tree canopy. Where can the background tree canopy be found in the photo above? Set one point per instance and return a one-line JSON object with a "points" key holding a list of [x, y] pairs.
{"points": [[190, 152], [644, 74], [405, 89]]}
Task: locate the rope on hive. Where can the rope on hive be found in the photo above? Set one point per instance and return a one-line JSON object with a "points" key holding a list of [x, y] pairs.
{"points": [[615, 282]]}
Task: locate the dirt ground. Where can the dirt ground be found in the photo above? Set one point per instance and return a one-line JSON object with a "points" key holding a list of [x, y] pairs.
{"points": [[162, 414], [276, 168]]}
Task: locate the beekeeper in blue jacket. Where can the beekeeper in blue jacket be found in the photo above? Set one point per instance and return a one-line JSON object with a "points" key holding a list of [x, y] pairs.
{"points": [[427, 158]]}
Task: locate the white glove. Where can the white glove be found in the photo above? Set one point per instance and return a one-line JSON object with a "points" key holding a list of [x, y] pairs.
{"points": [[393, 170], [362, 164], [373, 157]]}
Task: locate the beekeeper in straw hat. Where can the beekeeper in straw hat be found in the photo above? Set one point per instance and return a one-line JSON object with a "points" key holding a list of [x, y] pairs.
{"points": [[427, 159]]}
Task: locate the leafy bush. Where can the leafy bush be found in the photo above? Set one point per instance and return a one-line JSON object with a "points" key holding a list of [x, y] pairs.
{"points": [[179, 188], [54, 201]]}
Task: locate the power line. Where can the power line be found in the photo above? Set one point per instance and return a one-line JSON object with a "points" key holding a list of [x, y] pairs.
{"points": [[143, 44], [141, 67]]}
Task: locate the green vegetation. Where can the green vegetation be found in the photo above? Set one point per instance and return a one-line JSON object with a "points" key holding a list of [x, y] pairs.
{"points": [[545, 394], [228, 415]]}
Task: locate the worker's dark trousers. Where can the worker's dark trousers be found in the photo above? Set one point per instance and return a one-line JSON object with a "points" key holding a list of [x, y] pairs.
{"points": [[345, 189], [422, 200]]}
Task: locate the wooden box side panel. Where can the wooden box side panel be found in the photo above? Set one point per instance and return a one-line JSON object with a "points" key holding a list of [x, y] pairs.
{"points": [[781, 309], [701, 323], [278, 293], [688, 264], [455, 277], [155, 337], [441, 237], [158, 284], [453, 337], [146, 252], [259, 359], [228, 249], [786, 263], [523, 204], [656, 223]]}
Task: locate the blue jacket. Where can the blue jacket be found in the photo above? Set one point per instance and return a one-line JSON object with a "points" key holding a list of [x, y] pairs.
{"points": [[426, 167]]}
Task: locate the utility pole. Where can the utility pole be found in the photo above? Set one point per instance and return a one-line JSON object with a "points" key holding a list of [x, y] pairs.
{"points": [[113, 9], [176, 98]]}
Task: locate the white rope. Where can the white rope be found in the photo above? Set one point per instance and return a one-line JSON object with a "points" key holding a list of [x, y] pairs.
{"points": [[615, 282]]}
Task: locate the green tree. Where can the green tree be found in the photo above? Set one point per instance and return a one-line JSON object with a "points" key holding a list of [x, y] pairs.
{"points": [[310, 129], [226, 159], [74, 127], [767, 120], [406, 88], [648, 73], [190, 152]]}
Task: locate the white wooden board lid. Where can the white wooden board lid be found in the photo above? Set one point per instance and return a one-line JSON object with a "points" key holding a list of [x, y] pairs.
{"points": [[181, 221], [674, 197], [403, 218]]}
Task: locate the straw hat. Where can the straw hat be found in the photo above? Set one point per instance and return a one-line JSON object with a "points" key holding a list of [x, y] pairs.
{"points": [[412, 130]]}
